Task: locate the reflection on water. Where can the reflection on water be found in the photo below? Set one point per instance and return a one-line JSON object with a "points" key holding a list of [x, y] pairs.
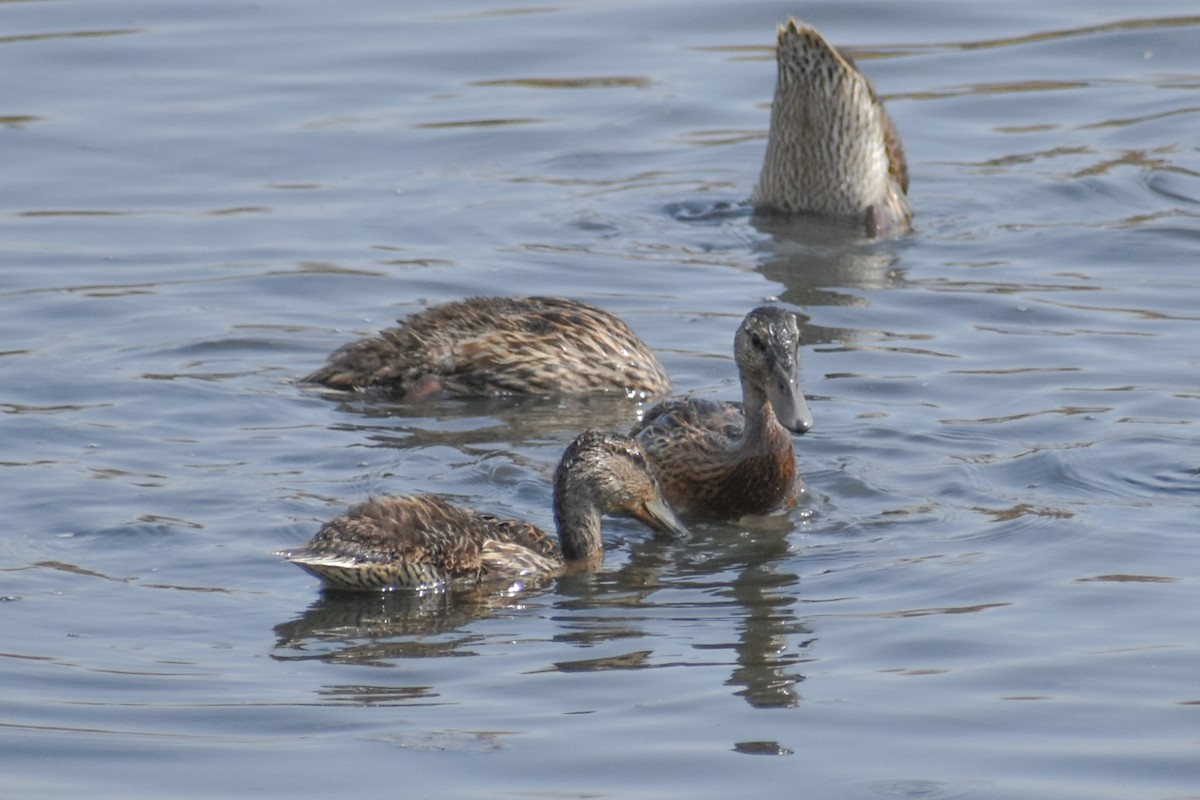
{"points": [[996, 557], [813, 258], [464, 422], [590, 609], [374, 628]]}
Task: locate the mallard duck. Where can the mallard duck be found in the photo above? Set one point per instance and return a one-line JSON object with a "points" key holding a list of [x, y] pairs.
{"points": [[485, 346], [832, 149], [425, 542], [728, 460]]}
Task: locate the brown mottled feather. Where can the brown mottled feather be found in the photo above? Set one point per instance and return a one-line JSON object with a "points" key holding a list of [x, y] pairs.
{"points": [[702, 470], [832, 148], [424, 542], [449, 542], [500, 345], [728, 460]]}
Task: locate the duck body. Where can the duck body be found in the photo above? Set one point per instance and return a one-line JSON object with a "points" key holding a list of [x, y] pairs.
{"points": [[832, 149], [420, 542], [490, 346], [424, 542], [723, 460], [709, 466]]}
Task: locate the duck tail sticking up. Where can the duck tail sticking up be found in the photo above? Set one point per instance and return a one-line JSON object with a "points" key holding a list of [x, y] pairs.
{"points": [[832, 149]]}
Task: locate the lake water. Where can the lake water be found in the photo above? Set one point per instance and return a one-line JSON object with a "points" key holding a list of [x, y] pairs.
{"points": [[992, 590]]}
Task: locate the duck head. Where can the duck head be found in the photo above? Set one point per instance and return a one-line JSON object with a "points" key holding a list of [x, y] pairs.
{"points": [[606, 473], [767, 351]]}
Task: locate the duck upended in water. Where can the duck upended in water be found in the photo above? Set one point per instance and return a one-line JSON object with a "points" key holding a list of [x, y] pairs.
{"points": [[832, 149], [728, 460], [425, 542], [485, 346]]}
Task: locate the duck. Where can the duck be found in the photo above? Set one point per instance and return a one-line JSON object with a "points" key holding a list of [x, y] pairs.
{"points": [[725, 460], [494, 346], [427, 543], [832, 148]]}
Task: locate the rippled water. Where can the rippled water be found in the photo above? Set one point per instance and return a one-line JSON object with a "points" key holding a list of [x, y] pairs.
{"points": [[990, 592]]}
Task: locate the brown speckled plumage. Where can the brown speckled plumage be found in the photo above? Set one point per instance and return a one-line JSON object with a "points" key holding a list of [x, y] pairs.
{"points": [[832, 149], [486, 346], [424, 542], [727, 460]]}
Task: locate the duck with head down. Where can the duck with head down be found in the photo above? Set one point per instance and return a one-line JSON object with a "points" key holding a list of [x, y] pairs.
{"points": [[424, 542], [728, 460], [489, 346], [832, 149]]}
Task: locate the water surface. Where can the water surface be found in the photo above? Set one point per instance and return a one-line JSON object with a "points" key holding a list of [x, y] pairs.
{"points": [[990, 591]]}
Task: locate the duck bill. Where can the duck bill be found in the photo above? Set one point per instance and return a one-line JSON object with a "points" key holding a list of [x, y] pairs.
{"points": [[789, 405], [657, 515]]}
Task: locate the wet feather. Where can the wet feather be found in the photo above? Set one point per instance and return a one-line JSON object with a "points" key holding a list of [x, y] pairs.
{"points": [[425, 542], [486, 346], [832, 148], [722, 460]]}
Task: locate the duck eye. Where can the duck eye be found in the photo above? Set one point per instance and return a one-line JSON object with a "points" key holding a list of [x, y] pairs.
{"points": [[757, 341]]}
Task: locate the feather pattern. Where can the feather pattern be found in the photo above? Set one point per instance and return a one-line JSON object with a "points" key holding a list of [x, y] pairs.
{"points": [[485, 346], [832, 148], [424, 542], [728, 460]]}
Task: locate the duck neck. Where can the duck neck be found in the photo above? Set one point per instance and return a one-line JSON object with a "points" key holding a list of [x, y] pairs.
{"points": [[578, 521], [760, 419]]}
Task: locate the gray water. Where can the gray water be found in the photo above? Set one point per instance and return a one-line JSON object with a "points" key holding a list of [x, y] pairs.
{"points": [[991, 591]]}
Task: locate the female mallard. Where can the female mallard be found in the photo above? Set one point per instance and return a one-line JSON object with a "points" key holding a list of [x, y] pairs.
{"points": [[727, 460], [832, 148], [424, 542], [500, 345]]}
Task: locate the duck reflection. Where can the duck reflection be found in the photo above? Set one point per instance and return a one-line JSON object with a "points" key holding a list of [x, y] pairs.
{"points": [[765, 653], [811, 256], [378, 628], [814, 257], [737, 570], [468, 422], [758, 595], [723, 593]]}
